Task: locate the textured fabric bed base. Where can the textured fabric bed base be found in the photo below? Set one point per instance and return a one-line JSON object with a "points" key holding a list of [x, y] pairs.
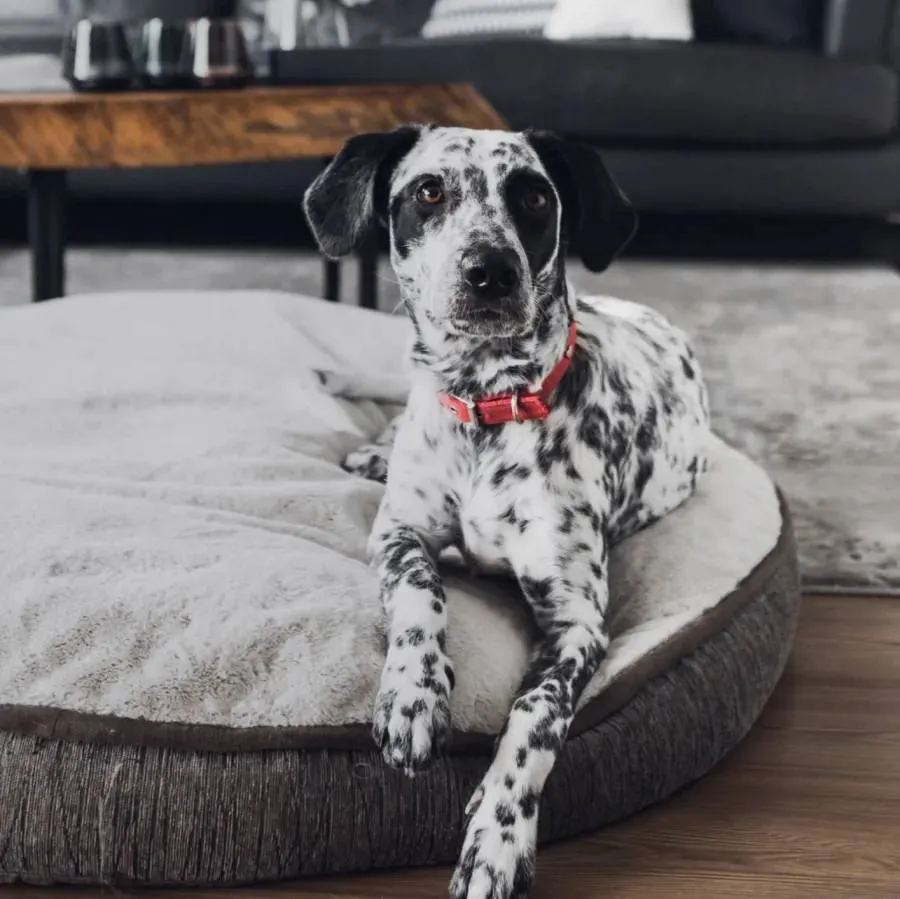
{"points": [[80, 813]]}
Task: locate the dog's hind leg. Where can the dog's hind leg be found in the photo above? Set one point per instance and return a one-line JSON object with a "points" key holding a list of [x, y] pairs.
{"points": [[566, 587], [371, 460]]}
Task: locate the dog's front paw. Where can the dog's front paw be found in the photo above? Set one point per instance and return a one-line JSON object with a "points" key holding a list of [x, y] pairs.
{"points": [[497, 860], [412, 709]]}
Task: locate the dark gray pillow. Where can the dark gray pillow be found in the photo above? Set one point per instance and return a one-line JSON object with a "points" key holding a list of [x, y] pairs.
{"points": [[795, 23]]}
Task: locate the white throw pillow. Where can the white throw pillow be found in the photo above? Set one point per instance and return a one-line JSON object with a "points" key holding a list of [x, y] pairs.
{"points": [[649, 19]]}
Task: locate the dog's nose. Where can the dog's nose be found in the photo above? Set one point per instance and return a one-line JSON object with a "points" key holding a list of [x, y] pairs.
{"points": [[493, 274]]}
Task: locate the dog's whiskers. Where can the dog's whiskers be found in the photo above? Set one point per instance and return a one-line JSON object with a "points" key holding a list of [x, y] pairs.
{"points": [[387, 279]]}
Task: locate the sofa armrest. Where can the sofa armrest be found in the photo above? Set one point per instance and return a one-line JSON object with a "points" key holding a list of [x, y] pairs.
{"points": [[859, 29]]}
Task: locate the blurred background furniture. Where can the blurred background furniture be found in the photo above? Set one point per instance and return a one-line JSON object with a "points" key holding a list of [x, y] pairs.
{"points": [[785, 108], [788, 128]]}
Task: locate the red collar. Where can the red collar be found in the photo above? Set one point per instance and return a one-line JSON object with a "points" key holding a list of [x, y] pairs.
{"points": [[507, 407]]}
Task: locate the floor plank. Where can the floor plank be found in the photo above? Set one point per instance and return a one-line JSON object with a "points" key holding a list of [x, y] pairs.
{"points": [[808, 805]]}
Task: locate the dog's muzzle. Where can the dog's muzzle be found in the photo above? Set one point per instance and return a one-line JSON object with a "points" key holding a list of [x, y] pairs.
{"points": [[491, 285]]}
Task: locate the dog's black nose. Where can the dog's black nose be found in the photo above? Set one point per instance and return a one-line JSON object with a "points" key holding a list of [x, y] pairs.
{"points": [[493, 274]]}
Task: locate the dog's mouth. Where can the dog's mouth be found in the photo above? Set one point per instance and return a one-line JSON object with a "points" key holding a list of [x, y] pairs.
{"points": [[505, 316], [490, 323]]}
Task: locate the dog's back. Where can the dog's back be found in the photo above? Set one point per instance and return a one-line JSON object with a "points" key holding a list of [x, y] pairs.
{"points": [[651, 389]]}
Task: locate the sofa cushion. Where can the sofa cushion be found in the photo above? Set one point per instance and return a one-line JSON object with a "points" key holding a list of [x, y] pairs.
{"points": [[638, 90], [797, 23]]}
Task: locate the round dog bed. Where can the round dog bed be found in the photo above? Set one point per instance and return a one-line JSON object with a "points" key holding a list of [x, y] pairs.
{"points": [[190, 637]]}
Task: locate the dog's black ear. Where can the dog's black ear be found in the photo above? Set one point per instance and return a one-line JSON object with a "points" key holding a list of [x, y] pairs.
{"points": [[344, 202], [598, 218]]}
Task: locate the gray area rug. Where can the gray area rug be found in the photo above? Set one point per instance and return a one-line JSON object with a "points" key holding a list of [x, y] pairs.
{"points": [[803, 366]]}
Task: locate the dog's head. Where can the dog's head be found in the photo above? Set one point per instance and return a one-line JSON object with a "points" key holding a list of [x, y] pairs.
{"points": [[479, 221]]}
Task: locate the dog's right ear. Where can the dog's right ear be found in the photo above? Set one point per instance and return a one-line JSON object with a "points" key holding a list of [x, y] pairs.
{"points": [[342, 204]]}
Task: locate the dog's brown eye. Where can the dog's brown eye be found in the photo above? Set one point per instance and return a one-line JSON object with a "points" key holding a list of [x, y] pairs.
{"points": [[536, 200], [430, 193]]}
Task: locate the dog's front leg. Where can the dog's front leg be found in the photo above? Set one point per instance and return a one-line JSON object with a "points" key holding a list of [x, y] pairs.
{"points": [[412, 709], [564, 579]]}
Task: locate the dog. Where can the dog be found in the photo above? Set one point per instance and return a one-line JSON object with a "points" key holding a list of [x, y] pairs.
{"points": [[540, 429]]}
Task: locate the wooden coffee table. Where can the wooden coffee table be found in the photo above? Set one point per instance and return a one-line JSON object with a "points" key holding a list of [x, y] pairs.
{"points": [[49, 135]]}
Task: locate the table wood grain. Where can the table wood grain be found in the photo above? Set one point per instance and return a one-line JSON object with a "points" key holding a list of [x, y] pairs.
{"points": [[137, 129]]}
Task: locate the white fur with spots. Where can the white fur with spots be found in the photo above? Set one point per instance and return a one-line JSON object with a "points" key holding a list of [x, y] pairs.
{"points": [[540, 500]]}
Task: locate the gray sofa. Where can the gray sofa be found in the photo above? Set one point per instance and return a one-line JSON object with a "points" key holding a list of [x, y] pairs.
{"points": [[725, 127]]}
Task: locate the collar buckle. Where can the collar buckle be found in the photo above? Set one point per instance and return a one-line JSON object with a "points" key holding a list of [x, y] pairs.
{"points": [[514, 408]]}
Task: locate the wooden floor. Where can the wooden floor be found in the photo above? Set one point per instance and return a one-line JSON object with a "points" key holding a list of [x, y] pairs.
{"points": [[807, 807]]}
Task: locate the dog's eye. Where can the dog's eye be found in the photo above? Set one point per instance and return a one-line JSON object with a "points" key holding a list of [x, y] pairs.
{"points": [[430, 193], [536, 200]]}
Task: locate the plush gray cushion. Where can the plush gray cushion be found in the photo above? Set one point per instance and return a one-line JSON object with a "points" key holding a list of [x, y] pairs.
{"points": [[166, 814], [190, 637]]}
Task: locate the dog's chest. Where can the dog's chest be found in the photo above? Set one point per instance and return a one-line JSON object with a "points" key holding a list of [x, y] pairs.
{"points": [[486, 533], [502, 499]]}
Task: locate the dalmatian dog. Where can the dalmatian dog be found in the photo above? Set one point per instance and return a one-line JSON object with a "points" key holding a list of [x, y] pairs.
{"points": [[540, 428]]}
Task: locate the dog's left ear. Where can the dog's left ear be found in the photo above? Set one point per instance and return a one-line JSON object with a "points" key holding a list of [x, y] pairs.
{"points": [[343, 204], [598, 218]]}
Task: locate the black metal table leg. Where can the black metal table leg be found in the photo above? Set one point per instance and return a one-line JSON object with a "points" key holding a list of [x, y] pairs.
{"points": [[332, 270], [47, 232], [368, 274]]}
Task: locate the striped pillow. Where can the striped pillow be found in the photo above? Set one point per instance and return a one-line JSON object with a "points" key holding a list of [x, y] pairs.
{"points": [[471, 18]]}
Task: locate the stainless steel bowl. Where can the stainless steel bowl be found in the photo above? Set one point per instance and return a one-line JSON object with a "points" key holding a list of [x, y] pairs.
{"points": [[217, 54], [96, 56], [163, 46]]}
